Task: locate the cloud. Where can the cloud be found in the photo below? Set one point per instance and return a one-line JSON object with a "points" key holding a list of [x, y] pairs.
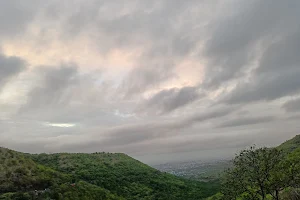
{"points": [[9, 67], [148, 77], [53, 91], [238, 38], [292, 105], [60, 125], [276, 47], [117, 138], [67, 95], [264, 88], [282, 55], [141, 79], [126, 135], [246, 121], [16, 16], [166, 101], [154, 32], [132, 22], [212, 114], [276, 76]]}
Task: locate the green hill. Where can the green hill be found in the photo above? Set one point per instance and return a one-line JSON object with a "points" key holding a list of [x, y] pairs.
{"points": [[100, 176], [125, 176], [290, 145], [22, 178], [91, 176], [18, 173], [287, 173]]}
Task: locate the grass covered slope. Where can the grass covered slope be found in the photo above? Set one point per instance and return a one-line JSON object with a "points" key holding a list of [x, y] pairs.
{"points": [[125, 176], [91, 176], [281, 171], [22, 178], [18, 173], [290, 145]]}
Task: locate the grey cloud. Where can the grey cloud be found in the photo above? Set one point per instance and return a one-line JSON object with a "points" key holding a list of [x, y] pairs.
{"points": [[51, 96], [128, 138], [54, 87], [168, 100], [156, 26], [16, 15], [292, 105], [282, 55], [213, 114], [143, 78], [253, 44], [244, 121], [10, 66], [265, 88], [294, 117], [276, 76], [63, 94], [236, 38], [197, 141], [143, 19], [126, 135], [124, 24], [243, 112]]}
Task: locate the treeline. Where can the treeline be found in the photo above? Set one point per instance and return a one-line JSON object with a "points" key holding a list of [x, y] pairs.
{"points": [[126, 177], [22, 179], [263, 173], [101, 176]]}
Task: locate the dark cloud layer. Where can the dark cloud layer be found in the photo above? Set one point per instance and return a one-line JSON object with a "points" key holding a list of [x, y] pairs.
{"points": [[9, 67], [15, 16], [197, 75], [266, 88], [156, 27], [245, 121], [141, 79], [127, 135], [292, 105], [168, 100], [253, 27], [53, 91]]}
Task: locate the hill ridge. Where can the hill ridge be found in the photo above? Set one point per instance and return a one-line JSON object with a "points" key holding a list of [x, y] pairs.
{"points": [[105, 175]]}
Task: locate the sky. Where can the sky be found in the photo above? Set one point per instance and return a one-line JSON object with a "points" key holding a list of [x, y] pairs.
{"points": [[161, 80]]}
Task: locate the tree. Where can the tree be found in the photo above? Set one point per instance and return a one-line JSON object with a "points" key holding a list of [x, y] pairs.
{"points": [[292, 164], [257, 173]]}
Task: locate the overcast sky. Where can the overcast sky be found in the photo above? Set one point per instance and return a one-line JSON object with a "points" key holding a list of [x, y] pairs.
{"points": [[161, 80]]}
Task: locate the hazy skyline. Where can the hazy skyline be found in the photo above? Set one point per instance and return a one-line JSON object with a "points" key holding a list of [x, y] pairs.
{"points": [[159, 80]]}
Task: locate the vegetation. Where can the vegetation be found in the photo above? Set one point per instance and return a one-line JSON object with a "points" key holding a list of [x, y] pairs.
{"points": [[263, 173], [290, 145], [125, 176], [22, 178], [91, 176], [256, 174]]}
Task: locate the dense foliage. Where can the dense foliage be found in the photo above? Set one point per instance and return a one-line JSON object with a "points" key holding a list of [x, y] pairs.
{"points": [[22, 178], [91, 176], [125, 176], [257, 174], [264, 173], [290, 145]]}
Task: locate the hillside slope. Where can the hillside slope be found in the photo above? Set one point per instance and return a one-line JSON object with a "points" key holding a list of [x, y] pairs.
{"points": [[126, 176], [291, 161], [290, 145], [22, 178], [91, 176], [18, 173]]}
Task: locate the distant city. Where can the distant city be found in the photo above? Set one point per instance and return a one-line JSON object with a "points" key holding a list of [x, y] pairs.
{"points": [[198, 170]]}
